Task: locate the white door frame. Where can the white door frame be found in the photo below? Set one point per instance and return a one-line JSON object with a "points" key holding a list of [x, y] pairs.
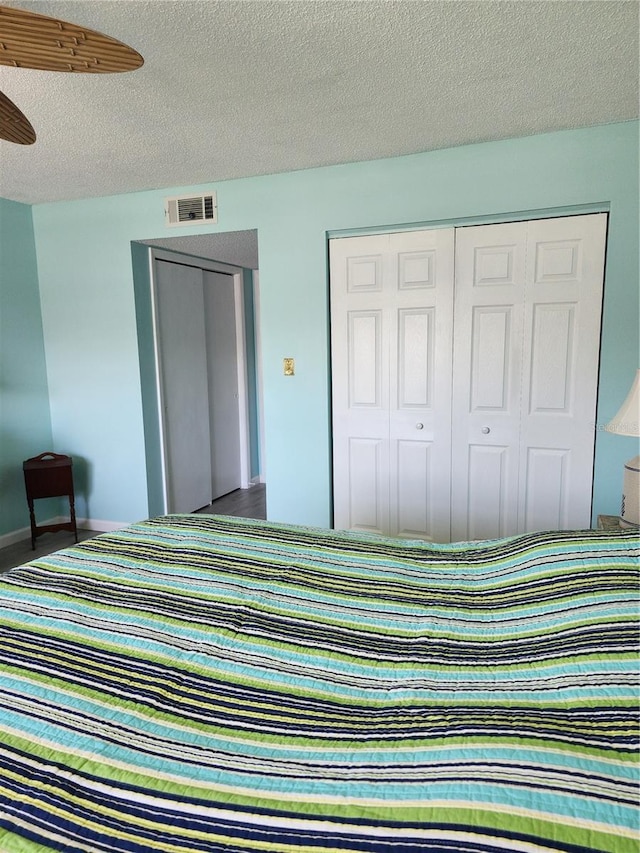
{"points": [[243, 403], [259, 375]]}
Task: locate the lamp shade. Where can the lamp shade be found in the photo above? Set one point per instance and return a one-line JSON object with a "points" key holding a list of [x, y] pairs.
{"points": [[627, 420]]}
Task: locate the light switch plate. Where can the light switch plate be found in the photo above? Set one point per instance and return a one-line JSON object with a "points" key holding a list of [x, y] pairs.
{"points": [[288, 366]]}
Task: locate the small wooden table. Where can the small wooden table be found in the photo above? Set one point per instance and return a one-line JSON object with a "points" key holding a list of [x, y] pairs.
{"points": [[48, 476]]}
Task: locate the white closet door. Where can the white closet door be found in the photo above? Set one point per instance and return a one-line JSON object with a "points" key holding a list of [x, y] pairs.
{"points": [[391, 310], [360, 380], [185, 396], [222, 358], [420, 289], [564, 281], [525, 372], [487, 365]]}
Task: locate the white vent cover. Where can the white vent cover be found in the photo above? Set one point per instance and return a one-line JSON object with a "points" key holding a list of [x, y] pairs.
{"points": [[191, 210]]}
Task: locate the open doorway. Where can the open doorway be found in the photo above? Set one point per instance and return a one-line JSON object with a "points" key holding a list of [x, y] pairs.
{"points": [[198, 329]]}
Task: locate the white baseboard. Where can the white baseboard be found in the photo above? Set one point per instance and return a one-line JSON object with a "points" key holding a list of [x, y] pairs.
{"points": [[101, 526], [15, 536], [257, 480], [96, 524]]}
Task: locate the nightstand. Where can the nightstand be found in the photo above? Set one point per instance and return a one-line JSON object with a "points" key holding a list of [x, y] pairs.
{"points": [[612, 522], [48, 476]]}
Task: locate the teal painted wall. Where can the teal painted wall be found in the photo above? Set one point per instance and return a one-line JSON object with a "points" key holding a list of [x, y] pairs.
{"points": [[25, 424], [90, 334], [86, 282]]}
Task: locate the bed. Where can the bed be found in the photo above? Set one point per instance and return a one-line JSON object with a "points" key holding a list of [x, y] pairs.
{"points": [[205, 683]]}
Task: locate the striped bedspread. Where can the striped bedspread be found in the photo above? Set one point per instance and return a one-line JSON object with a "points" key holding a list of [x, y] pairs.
{"points": [[201, 683]]}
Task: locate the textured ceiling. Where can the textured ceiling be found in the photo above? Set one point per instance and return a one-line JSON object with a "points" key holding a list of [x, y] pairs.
{"points": [[232, 89]]}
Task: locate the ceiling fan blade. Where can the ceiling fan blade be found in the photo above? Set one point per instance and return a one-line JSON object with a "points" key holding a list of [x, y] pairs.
{"points": [[14, 125], [29, 40]]}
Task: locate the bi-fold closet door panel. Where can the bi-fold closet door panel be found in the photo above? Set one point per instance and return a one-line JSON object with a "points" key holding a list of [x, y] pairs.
{"points": [[471, 417], [486, 378], [528, 299], [182, 355], [391, 321]]}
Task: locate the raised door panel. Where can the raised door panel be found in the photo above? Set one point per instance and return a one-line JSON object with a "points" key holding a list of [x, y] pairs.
{"points": [[364, 359], [368, 492], [416, 342], [416, 269], [499, 263], [491, 345], [552, 359], [413, 502], [364, 273], [556, 261], [489, 491], [546, 478]]}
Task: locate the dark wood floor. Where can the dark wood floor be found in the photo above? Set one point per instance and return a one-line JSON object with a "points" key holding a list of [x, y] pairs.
{"points": [[21, 552], [247, 503]]}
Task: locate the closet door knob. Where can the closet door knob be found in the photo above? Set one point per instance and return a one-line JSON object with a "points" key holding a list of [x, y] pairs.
{"points": [[419, 426], [485, 430]]}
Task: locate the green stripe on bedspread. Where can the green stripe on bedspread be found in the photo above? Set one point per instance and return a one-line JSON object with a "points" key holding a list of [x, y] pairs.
{"points": [[201, 683]]}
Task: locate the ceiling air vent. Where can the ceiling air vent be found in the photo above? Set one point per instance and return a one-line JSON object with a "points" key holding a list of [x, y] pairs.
{"points": [[191, 210]]}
